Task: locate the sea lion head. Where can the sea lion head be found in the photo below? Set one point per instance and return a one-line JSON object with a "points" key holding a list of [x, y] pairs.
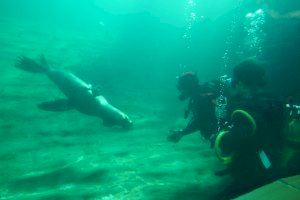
{"points": [[125, 122], [118, 119]]}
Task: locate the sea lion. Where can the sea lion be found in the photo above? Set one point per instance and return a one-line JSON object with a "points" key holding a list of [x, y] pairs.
{"points": [[79, 95]]}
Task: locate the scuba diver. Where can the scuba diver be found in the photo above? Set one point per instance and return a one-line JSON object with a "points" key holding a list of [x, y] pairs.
{"points": [[201, 106], [251, 146]]}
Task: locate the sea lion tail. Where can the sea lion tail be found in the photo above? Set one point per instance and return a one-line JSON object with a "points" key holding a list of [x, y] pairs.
{"points": [[30, 65]]}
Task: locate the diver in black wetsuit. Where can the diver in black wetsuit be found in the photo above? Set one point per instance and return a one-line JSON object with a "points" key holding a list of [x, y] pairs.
{"points": [[250, 146], [201, 106]]}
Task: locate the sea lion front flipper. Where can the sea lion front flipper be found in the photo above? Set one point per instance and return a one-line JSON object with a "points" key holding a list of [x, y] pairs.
{"points": [[58, 105]]}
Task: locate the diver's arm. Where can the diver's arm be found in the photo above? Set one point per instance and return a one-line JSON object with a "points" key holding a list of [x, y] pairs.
{"points": [[176, 135], [191, 127]]}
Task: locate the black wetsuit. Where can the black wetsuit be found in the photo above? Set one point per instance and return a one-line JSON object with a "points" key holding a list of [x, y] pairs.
{"points": [[202, 107], [247, 168]]}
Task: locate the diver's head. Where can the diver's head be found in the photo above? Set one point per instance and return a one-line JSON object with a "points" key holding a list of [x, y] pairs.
{"points": [[250, 74], [187, 84]]}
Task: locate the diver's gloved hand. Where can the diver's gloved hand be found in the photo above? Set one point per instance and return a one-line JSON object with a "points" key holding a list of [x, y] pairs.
{"points": [[175, 136]]}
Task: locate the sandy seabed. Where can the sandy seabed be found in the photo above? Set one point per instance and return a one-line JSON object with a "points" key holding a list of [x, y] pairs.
{"points": [[45, 155]]}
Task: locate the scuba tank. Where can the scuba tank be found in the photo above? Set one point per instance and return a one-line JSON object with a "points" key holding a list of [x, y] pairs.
{"points": [[293, 120]]}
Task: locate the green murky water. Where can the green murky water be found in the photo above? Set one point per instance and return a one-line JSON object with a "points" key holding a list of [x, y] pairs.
{"points": [[132, 50]]}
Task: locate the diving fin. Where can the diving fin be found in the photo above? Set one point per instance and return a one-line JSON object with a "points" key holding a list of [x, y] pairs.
{"points": [[58, 105]]}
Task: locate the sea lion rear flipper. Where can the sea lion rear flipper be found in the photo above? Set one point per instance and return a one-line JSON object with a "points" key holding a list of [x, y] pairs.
{"points": [[30, 65], [58, 105]]}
